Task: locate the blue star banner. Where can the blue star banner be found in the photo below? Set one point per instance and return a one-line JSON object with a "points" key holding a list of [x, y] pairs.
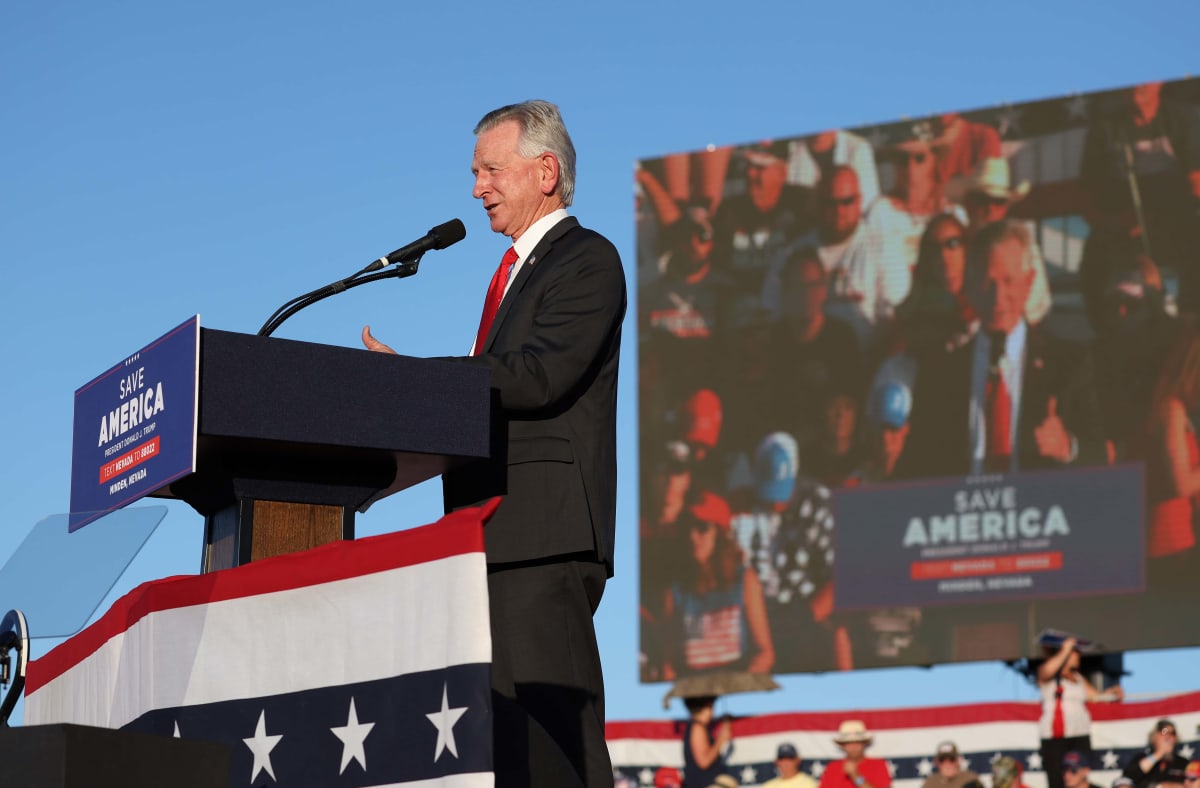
{"points": [[358, 663]]}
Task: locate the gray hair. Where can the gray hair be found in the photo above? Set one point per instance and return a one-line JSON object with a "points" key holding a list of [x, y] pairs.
{"points": [[993, 235], [542, 131]]}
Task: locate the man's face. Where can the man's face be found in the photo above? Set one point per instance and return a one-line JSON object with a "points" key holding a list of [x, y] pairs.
{"points": [[983, 209], [804, 290], [948, 765], [1164, 736], [892, 443], [854, 750], [915, 169], [1145, 99], [788, 767], [841, 205], [515, 191], [1076, 777], [766, 181], [999, 287]]}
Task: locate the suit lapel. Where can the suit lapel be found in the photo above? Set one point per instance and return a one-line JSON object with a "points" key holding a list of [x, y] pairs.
{"points": [[527, 269]]}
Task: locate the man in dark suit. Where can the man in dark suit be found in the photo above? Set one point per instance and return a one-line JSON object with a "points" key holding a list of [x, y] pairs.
{"points": [[1014, 397], [551, 335]]}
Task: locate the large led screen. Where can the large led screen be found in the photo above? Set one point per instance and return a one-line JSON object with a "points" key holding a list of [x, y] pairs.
{"points": [[917, 392]]}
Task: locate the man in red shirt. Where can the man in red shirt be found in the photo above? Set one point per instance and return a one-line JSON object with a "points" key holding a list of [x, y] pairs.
{"points": [[855, 770]]}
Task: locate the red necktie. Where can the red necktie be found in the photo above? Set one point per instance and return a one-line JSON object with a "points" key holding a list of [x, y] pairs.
{"points": [[999, 423], [495, 295], [1059, 725]]}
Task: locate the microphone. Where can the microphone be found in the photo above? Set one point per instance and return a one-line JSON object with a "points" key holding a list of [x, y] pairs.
{"points": [[439, 237]]}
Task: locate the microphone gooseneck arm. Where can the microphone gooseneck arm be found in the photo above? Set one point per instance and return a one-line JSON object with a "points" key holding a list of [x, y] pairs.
{"points": [[320, 294], [406, 259]]}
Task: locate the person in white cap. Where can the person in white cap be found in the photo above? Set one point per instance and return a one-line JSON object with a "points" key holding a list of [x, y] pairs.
{"points": [[856, 770], [949, 772]]}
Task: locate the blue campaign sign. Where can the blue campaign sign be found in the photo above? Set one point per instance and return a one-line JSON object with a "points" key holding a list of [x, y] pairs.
{"points": [[991, 538], [135, 426]]}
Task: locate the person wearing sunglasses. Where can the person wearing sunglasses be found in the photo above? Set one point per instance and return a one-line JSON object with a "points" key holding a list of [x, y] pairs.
{"points": [[1159, 759], [714, 611], [948, 772]]}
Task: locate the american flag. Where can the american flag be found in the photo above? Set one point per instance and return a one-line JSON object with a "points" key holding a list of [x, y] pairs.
{"points": [[361, 663], [906, 739]]}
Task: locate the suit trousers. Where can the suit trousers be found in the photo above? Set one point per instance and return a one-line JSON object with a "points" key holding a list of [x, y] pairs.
{"points": [[547, 685]]}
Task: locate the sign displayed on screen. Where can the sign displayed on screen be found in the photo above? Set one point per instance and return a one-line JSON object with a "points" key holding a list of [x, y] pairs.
{"points": [[913, 393]]}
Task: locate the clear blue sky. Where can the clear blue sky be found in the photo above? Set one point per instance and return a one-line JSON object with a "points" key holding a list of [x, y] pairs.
{"points": [[164, 159]]}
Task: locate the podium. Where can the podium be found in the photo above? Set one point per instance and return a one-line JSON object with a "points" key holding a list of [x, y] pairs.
{"points": [[81, 756], [294, 437]]}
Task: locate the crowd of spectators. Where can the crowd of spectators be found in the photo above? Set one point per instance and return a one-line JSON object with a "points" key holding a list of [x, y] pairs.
{"points": [[826, 313], [707, 740]]}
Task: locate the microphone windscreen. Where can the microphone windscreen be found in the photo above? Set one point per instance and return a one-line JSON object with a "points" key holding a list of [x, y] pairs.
{"points": [[449, 233]]}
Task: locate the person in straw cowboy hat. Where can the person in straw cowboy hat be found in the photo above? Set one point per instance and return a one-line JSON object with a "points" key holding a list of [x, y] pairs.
{"points": [[855, 770], [987, 195]]}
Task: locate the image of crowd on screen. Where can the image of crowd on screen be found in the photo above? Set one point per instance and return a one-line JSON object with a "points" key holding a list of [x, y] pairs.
{"points": [[973, 293]]}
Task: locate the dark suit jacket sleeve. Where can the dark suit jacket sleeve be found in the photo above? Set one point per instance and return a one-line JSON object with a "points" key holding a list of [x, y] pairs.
{"points": [[581, 307]]}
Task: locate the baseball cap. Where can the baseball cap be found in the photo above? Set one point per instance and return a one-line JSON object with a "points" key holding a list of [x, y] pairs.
{"points": [[766, 153], [711, 508], [1192, 770], [1075, 760], [775, 466], [891, 404], [947, 749], [786, 750]]}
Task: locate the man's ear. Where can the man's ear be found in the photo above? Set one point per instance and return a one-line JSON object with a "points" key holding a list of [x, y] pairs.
{"points": [[548, 169]]}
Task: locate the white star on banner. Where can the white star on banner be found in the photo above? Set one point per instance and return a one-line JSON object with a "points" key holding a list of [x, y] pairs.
{"points": [[891, 769], [261, 745], [444, 721], [353, 734], [1110, 759], [1010, 121], [1034, 761], [817, 769], [176, 734], [646, 777], [750, 775], [965, 763], [1186, 751], [924, 767]]}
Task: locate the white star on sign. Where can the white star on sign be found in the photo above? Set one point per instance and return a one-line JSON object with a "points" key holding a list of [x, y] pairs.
{"points": [[1034, 761], [924, 767], [1110, 760], [444, 721], [261, 745], [1186, 751], [964, 764], [817, 769], [749, 775], [353, 734], [891, 769], [646, 777]]}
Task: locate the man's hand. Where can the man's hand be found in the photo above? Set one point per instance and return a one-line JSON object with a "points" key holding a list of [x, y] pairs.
{"points": [[1052, 438], [851, 768], [372, 343]]}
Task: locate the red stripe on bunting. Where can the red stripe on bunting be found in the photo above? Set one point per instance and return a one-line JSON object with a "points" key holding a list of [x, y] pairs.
{"points": [[458, 533]]}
